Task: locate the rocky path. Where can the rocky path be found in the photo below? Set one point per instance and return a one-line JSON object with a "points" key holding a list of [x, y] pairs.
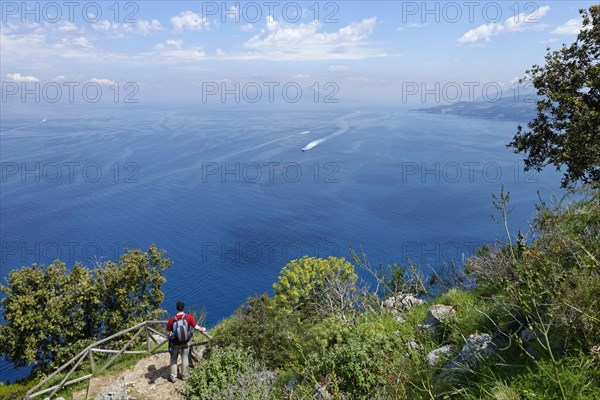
{"points": [[146, 381]]}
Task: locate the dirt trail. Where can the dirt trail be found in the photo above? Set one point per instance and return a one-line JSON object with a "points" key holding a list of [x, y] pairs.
{"points": [[146, 381]]}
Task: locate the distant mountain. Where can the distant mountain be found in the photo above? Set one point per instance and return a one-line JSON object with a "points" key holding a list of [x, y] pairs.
{"points": [[510, 108]]}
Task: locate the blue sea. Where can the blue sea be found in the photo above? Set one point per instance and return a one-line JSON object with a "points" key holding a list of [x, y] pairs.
{"points": [[231, 196]]}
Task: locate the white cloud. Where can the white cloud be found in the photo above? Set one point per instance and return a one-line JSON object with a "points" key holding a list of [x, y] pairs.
{"points": [[103, 81], [338, 68], [301, 77], [176, 54], [17, 77], [282, 41], [247, 27], [517, 23], [363, 79], [173, 42], [116, 30], [146, 27], [83, 42], [412, 25], [43, 45], [189, 20], [67, 27], [484, 32], [169, 44], [571, 27]]}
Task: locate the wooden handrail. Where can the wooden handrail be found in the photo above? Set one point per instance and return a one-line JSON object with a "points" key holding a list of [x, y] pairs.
{"points": [[88, 353]]}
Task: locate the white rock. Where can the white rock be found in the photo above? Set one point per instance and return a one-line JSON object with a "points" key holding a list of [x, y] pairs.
{"points": [[477, 347], [412, 345], [402, 302], [437, 355], [437, 314]]}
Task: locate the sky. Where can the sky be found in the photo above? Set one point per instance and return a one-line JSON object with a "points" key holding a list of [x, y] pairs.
{"points": [[269, 51]]}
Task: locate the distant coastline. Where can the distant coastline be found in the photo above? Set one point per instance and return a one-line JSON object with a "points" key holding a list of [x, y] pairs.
{"points": [[510, 108]]}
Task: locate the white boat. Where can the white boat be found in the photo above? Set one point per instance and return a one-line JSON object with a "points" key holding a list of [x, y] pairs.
{"points": [[312, 144]]}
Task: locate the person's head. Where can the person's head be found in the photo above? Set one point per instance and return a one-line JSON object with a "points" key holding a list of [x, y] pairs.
{"points": [[180, 305]]}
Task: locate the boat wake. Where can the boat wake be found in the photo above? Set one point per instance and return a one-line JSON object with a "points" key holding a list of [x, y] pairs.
{"points": [[313, 144], [342, 127], [24, 126]]}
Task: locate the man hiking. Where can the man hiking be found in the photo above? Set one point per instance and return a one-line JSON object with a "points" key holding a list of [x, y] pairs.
{"points": [[178, 330]]}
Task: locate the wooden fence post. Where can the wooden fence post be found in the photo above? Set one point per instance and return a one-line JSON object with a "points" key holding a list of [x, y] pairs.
{"points": [[91, 355]]}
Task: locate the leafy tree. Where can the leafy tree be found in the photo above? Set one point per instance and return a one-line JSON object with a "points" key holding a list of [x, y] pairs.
{"points": [[46, 313], [566, 130], [51, 313], [131, 290]]}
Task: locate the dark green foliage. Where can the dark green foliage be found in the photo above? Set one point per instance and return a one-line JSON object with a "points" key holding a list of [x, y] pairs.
{"points": [[51, 313], [229, 373], [46, 314], [257, 325], [566, 130], [131, 289], [359, 366]]}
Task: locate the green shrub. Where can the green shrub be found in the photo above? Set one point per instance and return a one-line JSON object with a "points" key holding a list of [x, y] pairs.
{"points": [[553, 283], [313, 287], [259, 327], [361, 367], [15, 391], [229, 373], [473, 314], [573, 377], [557, 279]]}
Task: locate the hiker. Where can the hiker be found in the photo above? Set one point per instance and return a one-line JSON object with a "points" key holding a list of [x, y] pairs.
{"points": [[178, 330]]}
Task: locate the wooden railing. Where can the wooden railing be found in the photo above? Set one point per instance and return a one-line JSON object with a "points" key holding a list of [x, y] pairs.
{"points": [[154, 340]]}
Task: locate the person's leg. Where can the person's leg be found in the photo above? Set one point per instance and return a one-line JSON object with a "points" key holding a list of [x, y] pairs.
{"points": [[173, 365], [185, 359]]}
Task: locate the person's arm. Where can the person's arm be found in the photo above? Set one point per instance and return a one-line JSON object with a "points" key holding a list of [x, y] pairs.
{"points": [[193, 323]]}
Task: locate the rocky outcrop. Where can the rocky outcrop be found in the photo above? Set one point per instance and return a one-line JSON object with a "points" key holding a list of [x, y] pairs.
{"points": [[478, 347], [401, 303], [436, 356], [437, 314]]}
